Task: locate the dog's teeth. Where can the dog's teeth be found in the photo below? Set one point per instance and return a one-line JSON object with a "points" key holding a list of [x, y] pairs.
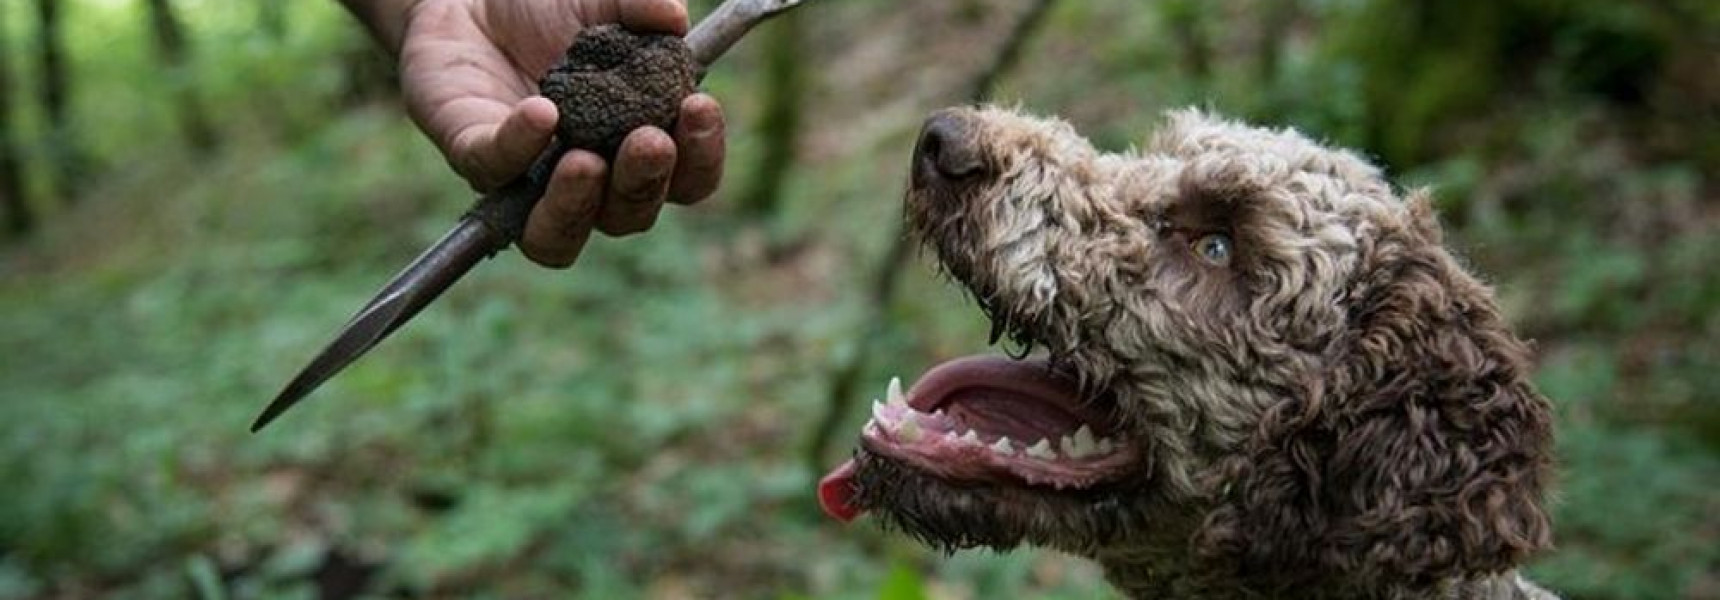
{"points": [[1080, 445], [972, 437], [1042, 450], [1106, 446], [1066, 445], [1074, 448], [1003, 447], [1084, 439], [893, 394], [909, 429], [878, 412]]}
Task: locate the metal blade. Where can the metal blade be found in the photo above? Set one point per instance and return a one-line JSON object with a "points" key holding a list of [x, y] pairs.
{"points": [[409, 292]]}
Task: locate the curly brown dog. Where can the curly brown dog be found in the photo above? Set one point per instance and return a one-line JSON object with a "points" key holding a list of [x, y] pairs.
{"points": [[1265, 375]]}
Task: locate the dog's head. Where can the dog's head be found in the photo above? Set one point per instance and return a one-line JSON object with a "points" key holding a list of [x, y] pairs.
{"points": [[1262, 368]]}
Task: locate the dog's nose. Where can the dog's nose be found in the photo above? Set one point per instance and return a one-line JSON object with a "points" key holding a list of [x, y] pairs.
{"points": [[947, 150]]}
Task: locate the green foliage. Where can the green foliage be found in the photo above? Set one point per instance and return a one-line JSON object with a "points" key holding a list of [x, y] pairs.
{"points": [[635, 427], [1631, 502], [902, 584], [489, 525]]}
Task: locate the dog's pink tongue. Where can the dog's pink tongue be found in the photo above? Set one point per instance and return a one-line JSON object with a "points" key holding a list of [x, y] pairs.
{"points": [[836, 493]]}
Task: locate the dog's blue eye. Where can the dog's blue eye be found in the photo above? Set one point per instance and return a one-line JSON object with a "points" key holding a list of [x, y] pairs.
{"points": [[1214, 248]]}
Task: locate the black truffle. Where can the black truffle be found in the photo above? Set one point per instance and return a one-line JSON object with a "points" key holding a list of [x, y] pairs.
{"points": [[612, 81]]}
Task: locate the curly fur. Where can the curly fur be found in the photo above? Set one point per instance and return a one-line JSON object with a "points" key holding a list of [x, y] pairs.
{"points": [[1338, 412]]}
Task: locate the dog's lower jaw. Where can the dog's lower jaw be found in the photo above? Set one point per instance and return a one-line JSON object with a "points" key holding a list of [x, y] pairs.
{"points": [[951, 516], [1157, 575]]}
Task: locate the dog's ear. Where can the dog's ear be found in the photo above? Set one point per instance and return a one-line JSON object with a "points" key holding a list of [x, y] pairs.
{"points": [[1419, 453]]}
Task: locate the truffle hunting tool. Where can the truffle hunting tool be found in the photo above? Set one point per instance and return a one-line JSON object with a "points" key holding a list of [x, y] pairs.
{"points": [[609, 83]]}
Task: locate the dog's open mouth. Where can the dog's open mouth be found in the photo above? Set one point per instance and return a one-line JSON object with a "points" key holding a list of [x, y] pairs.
{"points": [[988, 421]]}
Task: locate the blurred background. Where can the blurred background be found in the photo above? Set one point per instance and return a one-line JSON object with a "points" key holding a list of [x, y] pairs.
{"points": [[196, 193]]}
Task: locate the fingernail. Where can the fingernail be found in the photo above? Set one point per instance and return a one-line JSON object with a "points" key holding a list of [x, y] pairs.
{"points": [[702, 124]]}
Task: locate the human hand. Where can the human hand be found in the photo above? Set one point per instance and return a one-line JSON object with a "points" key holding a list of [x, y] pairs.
{"points": [[469, 71]]}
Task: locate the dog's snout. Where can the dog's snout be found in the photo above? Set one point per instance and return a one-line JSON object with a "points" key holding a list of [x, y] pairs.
{"points": [[948, 150]]}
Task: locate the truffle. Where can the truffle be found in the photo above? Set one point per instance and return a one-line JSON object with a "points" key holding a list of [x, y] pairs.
{"points": [[612, 81]]}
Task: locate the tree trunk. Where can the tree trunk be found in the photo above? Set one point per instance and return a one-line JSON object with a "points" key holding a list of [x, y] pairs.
{"points": [[779, 127], [65, 156], [174, 50], [1187, 22], [12, 200], [1275, 22]]}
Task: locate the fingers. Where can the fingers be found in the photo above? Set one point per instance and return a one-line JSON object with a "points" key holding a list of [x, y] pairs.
{"points": [[699, 135], [667, 16], [643, 166], [561, 222], [657, 16], [649, 168], [488, 155], [582, 194], [585, 193]]}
